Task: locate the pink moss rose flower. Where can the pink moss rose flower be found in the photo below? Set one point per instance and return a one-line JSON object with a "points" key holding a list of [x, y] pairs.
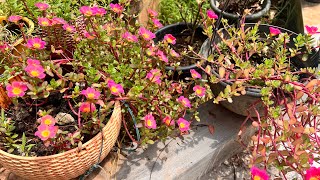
{"points": [[87, 11], [258, 174], [162, 56], [152, 13], [36, 43], [116, 89], [195, 74], [43, 21], [57, 20], [184, 101], [16, 89], [4, 47], [173, 53], [87, 107], [91, 93], [211, 15], [33, 62], [14, 19], [154, 76], [199, 91], [168, 121], [150, 51], [35, 71], [48, 120], [313, 174], [89, 35], [99, 11], [45, 132], [146, 34], [69, 28], [312, 30], [170, 38], [157, 23], [42, 6], [117, 8], [149, 122], [129, 37], [183, 124], [274, 31]]}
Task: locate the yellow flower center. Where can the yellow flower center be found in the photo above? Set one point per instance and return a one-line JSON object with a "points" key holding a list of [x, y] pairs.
{"points": [[88, 13], [86, 109], [69, 29], [182, 125], [146, 36], [47, 121], [34, 73], [114, 89], [90, 95], [45, 23], [199, 91], [45, 133], [16, 91], [315, 178], [168, 121], [36, 45], [149, 123], [256, 178]]}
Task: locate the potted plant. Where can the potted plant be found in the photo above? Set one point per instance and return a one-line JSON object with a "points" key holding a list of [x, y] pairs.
{"points": [[276, 66]]}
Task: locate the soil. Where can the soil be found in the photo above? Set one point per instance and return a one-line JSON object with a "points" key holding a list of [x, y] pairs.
{"points": [[238, 6]]}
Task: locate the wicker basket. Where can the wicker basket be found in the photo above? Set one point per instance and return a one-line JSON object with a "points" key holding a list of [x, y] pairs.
{"points": [[69, 164]]}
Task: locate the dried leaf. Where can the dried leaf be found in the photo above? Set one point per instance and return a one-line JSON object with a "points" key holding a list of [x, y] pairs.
{"points": [[211, 129], [222, 72]]}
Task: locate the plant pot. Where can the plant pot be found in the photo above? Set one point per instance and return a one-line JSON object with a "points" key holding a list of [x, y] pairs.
{"points": [[234, 18], [314, 1], [69, 164], [241, 104], [178, 30]]}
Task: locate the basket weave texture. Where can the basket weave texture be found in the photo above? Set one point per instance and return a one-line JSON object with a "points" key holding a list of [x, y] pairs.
{"points": [[69, 164]]}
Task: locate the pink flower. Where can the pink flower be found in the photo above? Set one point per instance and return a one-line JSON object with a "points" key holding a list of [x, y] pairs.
{"points": [[44, 21], [87, 11], [87, 107], [312, 29], [154, 76], [116, 8], [184, 101], [152, 13], [16, 89], [149, 121], [33, 62], [274, 31], [146, 34], [162, 56], [200, 91], [183, 124], [258, 174], [173, 53], [110, 82], [99, 11], [195, 74], [45, 132], [42, 6], [129, 37], [211, 15], [69, 28], [88, 35], [116, 89], [48, 120], [157, 23], [168, 121], [35, 71], [57, 20], [4, 47], [91, 93], [14, 19], [313, 174], [150, 51], [177, 87], [36, 43], [170, 39]]}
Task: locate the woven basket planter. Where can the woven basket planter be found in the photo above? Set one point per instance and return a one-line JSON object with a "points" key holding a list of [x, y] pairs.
{"points": [[69, 164]]}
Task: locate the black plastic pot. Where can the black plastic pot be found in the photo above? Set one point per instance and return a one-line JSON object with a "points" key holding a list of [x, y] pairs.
{"points": [[241, 104], [255, 17], [178, 30], [314, 1]]}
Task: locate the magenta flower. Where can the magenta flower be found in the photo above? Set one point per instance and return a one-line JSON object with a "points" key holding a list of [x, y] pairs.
{"points": [[312, 174], [4, 47], [14, 19], [146, 34], [48, 120], [312, 30], [157, 23], [69, 28], [150, 51], [16, 89], [274, 31], [35, 71], [33, 62], [162, 56], [184, 101], [173, 53], [110, 82], [129, 37], [42, 6], [154, 76], [152, 13], [211, 15], [117, 8], [168, 121], [149, 121], [36, 43], [99, 11], [87, 11], [57, 20], [259, 174], [87, 107], [183, 124], [43, 21], [200, 91], [91, 93], [88, 35], [45, 132], [195, 74], [170, 39], [116, 89]]}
